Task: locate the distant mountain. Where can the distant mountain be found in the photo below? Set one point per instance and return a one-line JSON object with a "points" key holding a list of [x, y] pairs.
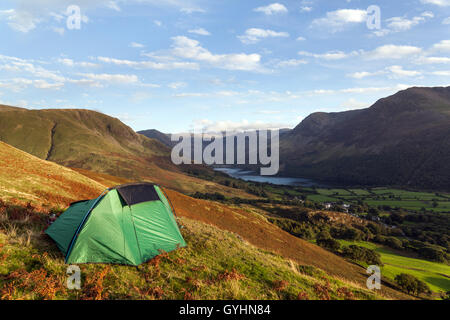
{"points": [[401, 140], [158, 135], [94, 141]]}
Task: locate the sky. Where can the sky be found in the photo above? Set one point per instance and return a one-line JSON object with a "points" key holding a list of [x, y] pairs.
{"points": [[214, 65]]}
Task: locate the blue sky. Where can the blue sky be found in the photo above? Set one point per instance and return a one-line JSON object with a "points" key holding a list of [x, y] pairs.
{"points": [[214, 65]]}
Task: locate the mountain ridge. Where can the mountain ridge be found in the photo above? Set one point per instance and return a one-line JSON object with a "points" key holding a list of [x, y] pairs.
{"points": [[94, 141], [400, 140]]}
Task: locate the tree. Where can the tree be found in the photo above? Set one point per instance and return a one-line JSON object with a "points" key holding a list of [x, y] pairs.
{"points": [[358, 253], [411, 284], [330, 244], [393, 243], [324, 234], [432, 254]]}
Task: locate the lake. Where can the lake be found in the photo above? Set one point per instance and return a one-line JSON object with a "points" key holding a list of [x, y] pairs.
{"points": [[283, 181]]}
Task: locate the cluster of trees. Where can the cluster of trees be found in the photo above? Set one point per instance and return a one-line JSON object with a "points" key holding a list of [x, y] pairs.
{"points": [[411, 284], [358, 253], [329, 244]]}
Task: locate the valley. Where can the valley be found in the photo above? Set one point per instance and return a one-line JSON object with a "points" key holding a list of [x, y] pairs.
{"points": [[281, 237]]}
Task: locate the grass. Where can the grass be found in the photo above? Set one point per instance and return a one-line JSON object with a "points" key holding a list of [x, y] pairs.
{"points": [[436, 275], [216, 265], [26, 178], [409, 200]]}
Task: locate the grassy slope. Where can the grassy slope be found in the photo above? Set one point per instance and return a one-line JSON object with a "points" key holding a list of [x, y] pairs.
{"points": [[436, 275], [96, 142], [25, 178], [219, 237], [215, 265]]}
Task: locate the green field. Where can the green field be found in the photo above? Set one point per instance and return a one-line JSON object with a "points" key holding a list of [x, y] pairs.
{"points": [[409, 200], [436, 275]]}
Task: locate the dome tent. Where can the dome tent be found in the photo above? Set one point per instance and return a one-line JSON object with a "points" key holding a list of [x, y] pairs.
{"points": [[127, 224]]}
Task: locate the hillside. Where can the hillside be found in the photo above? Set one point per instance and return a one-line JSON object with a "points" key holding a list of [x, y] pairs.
{"points": [[25, 178], [221, 239], [401, 140], [96, 142], [231, 253], [158, 135]]}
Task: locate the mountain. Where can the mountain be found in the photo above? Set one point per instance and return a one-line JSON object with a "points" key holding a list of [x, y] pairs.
{"points": [[401, 140], [94, 141], [164, 138]]}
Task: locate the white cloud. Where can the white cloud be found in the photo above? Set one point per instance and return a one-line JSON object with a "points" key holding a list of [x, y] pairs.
{"points": [[217, 94], [17, 65], [291, 63], [397, 24], [399, 71], [353, 104], [391, 51], [306, 9], [441, 3], [443, 46], [427, 14], [157, 22], [442, 73], [136, 45], [187, 48], [42, 84], [331, 55], [254, 35], [58, 17], [271, 9], [268, 111], [337, 20], [192, 10], [446, 21], [433, 60], [394, 71], [15, 84], [71, 63], [21, 21], [169, 65], [111, 78], [177, 85], [209, 126], [113, 5], [200, 31], [363, 74], [300, 39]]}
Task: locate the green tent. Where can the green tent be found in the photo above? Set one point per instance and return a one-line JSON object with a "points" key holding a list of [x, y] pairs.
{"points": [[127, 224]]}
